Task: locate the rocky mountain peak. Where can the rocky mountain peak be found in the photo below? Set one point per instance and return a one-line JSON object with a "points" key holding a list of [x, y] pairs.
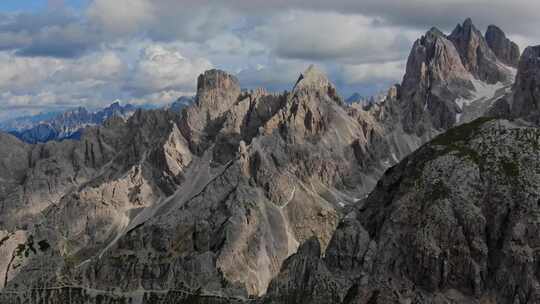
{"points": [[312, 78], [215, 79], [435, 32], [465, 29], [505, 49], [476, 55], [526, 102], [434, 62], [216, 91]]}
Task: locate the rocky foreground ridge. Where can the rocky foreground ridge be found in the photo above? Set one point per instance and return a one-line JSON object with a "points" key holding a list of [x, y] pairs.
{"points": [[258, 197]]}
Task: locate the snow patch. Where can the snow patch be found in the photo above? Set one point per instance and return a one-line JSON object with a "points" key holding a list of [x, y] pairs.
{"points": [[482, 91], [290, 198]]}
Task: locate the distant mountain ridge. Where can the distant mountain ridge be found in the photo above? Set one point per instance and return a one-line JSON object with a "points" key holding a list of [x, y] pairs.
{"points": [[69, 124], [181, 103], [66, 125], [366, 101]]}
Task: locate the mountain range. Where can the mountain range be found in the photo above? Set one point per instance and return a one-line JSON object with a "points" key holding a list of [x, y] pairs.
{"points": [[58, 126], [366, 101], [429, 195]]}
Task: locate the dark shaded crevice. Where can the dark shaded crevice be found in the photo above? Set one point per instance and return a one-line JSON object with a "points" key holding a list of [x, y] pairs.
{"points": [[6, 275], [231, 163]]}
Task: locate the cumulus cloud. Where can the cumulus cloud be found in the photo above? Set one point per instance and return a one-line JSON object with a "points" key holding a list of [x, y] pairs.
{"points": [[334, 36], [51, 33], [518, 16], [162, 98], [276, 75], [391, 71], [164, 68], [159, 75], [121, 16]]}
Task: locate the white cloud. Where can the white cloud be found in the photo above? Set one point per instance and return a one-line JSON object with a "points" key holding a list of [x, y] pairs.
{"points": [[160, 98], [333, 36], [164, 68], [121, 16], [373, 72], [276, 75], [159, 74], [153, 50], [20, 74]]}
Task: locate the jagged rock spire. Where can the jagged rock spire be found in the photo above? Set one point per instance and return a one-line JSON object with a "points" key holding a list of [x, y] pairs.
{"points": [[216, 92], [505, 49], [476, 55], [433, 63], [527, 87], [312, 78]]}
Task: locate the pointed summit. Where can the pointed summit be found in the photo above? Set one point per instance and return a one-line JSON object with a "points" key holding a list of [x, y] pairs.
{"points": [[313, 78], [476, 55], [434, 31], [468, 23], [436, 73], [526, 102], [505, 49]]}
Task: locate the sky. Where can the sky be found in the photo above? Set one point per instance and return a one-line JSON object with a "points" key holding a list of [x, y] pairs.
{"points": [[59, 54]]}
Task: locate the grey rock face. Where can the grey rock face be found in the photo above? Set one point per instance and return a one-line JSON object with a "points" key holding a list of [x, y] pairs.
{"points": [[452, 223], [505, 49], [526, 99]]}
